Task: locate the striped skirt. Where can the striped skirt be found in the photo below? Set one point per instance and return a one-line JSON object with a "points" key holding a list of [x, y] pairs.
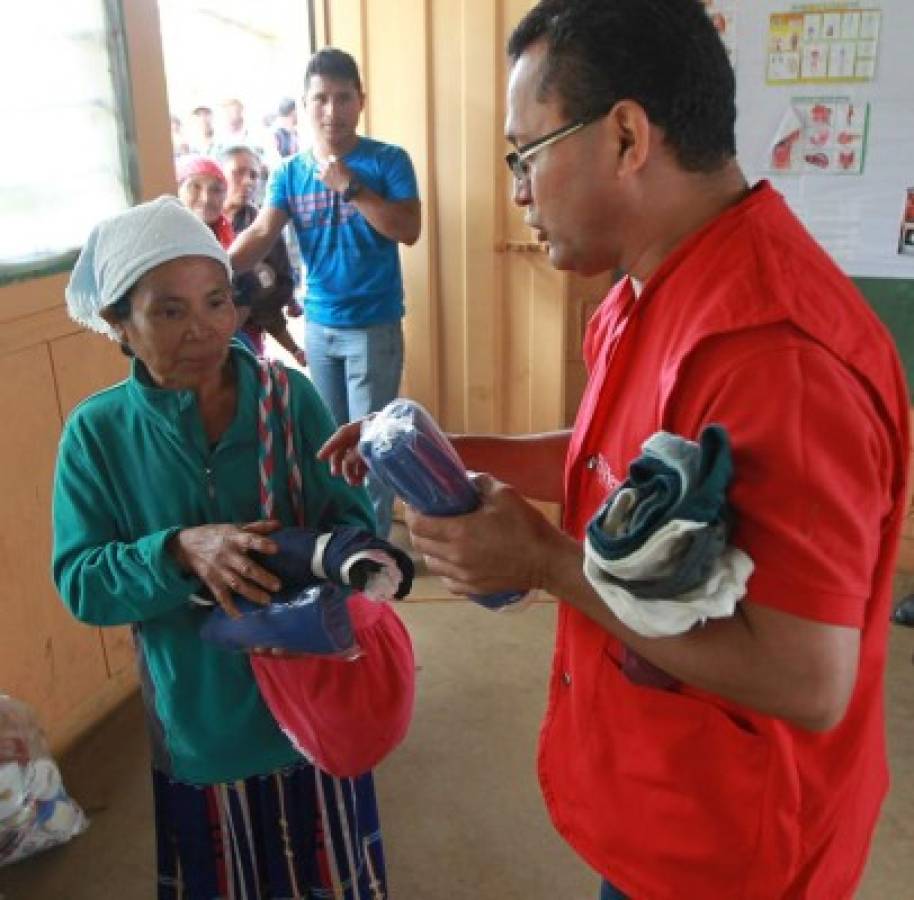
{"points": [[294, 834]]}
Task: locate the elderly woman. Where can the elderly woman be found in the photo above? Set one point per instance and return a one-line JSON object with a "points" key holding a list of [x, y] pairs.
{"points": [[213, 196], [156, 497]]}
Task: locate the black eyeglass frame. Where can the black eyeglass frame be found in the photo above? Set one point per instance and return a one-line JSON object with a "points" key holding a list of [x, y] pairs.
{"points": [[517, 159]]}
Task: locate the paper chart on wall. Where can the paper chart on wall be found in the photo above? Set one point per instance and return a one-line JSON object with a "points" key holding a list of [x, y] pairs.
{"points": [[823, 44], [821, 136], [854, 205]]}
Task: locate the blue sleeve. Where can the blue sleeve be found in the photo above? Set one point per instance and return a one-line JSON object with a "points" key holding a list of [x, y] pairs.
{"points": [[399, 175], [101, 579], [329, 500], [277, 193]]}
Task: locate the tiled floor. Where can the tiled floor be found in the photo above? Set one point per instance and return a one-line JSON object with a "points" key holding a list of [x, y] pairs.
{"points": [[462, 814]]}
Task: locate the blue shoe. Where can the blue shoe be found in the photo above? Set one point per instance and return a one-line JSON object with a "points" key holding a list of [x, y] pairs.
{"points": [[313, 621], [903, 614]]}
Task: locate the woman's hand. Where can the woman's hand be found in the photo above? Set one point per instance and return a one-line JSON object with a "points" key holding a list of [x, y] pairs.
{"points": [[341, 451], [218, 556]]}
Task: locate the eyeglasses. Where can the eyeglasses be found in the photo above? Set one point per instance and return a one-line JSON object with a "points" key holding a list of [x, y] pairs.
{"points": [[517, 159]]}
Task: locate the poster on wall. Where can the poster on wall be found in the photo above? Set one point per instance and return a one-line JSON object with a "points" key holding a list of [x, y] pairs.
{"points": [[823, 43], [820, 136], [841, 154]]}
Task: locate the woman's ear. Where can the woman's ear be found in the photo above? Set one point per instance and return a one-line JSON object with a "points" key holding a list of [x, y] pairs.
{"points": [[117, 325], [632, 127]]}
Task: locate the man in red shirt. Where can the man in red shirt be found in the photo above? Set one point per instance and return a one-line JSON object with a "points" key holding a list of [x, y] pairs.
{"points": [[755, 767]]}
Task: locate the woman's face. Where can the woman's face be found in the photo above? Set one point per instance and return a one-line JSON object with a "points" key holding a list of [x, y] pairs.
{"points": [[181, 319], [204, 196], [242, 170]]}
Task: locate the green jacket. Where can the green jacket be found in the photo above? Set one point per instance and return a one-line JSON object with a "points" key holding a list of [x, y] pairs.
{"points": [[133, 468]]}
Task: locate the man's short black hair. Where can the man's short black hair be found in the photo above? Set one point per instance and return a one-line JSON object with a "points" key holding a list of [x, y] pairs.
{"points": [[333, 63], [663, 54], [285, 107]]}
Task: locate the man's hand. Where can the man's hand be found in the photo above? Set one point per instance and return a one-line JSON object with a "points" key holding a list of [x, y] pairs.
{"points": [[334, 173], [503, 545], [218, 556], [341, 451]]}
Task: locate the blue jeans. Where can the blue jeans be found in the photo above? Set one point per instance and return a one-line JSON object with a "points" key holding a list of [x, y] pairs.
{"points": [[608, 892], [357, 371]]}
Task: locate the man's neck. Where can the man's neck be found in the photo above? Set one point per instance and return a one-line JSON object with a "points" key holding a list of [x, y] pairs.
{"points": [[680, 207], [325, 149]]}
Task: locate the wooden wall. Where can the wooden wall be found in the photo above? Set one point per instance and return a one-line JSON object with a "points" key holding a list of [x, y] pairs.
{"points": [[72, 674]]}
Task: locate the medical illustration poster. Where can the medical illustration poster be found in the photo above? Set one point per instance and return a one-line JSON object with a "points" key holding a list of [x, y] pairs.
{"points": [[839, 151], [823, 43], [820, 136]]}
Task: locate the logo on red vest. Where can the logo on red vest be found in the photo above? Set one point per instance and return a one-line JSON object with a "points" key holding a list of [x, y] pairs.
{"points": [[599, 465]]}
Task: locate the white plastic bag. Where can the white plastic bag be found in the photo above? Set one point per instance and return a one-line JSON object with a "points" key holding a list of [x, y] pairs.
{"points": [[35, 811]]}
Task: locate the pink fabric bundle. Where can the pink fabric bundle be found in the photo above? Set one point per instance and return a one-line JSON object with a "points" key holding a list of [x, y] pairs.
{"points": [[346, 716]]}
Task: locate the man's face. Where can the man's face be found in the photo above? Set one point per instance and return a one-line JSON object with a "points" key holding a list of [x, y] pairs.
{"points": [[233, 114], [243, 173], [203, 123], [333, 107], [567, 194]]}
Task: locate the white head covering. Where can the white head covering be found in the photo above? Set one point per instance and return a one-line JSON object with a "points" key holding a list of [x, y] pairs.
{"points": [[122, 249]]}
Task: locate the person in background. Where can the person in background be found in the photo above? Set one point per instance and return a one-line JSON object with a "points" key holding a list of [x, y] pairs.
{"points": [[269, 290], [285, 128], [178, 144], [200, 132], [202, 188], [234, 129], [353, 201], [156, 497], [745, 757]]}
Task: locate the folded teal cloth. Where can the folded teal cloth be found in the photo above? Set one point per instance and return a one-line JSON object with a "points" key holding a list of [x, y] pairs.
{"points": [[672, 479]]}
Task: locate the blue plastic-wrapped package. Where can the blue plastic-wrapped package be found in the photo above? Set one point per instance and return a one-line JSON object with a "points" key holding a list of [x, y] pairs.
{"points": [[404, 448], [311, 621]]}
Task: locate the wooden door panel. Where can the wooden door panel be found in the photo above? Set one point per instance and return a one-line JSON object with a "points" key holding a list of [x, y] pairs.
{"points": [[46, 657]]}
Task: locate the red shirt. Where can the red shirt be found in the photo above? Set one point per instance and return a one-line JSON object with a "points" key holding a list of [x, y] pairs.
{"points": [[673, 794]]}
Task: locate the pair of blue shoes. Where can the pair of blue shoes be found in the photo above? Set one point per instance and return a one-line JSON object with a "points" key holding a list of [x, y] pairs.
{"points": [[309, 614]]}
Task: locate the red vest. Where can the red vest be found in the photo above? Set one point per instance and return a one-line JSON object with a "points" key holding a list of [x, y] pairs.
{"points": [[683, 794]]}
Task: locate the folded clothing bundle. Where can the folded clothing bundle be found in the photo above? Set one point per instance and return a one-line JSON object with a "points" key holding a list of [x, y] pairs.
{"points": [[657, 551], [406, 450]]}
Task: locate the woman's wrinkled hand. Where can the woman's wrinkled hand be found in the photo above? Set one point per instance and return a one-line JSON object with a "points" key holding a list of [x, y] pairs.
{"points": [[218, 556], [341, 451]]}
